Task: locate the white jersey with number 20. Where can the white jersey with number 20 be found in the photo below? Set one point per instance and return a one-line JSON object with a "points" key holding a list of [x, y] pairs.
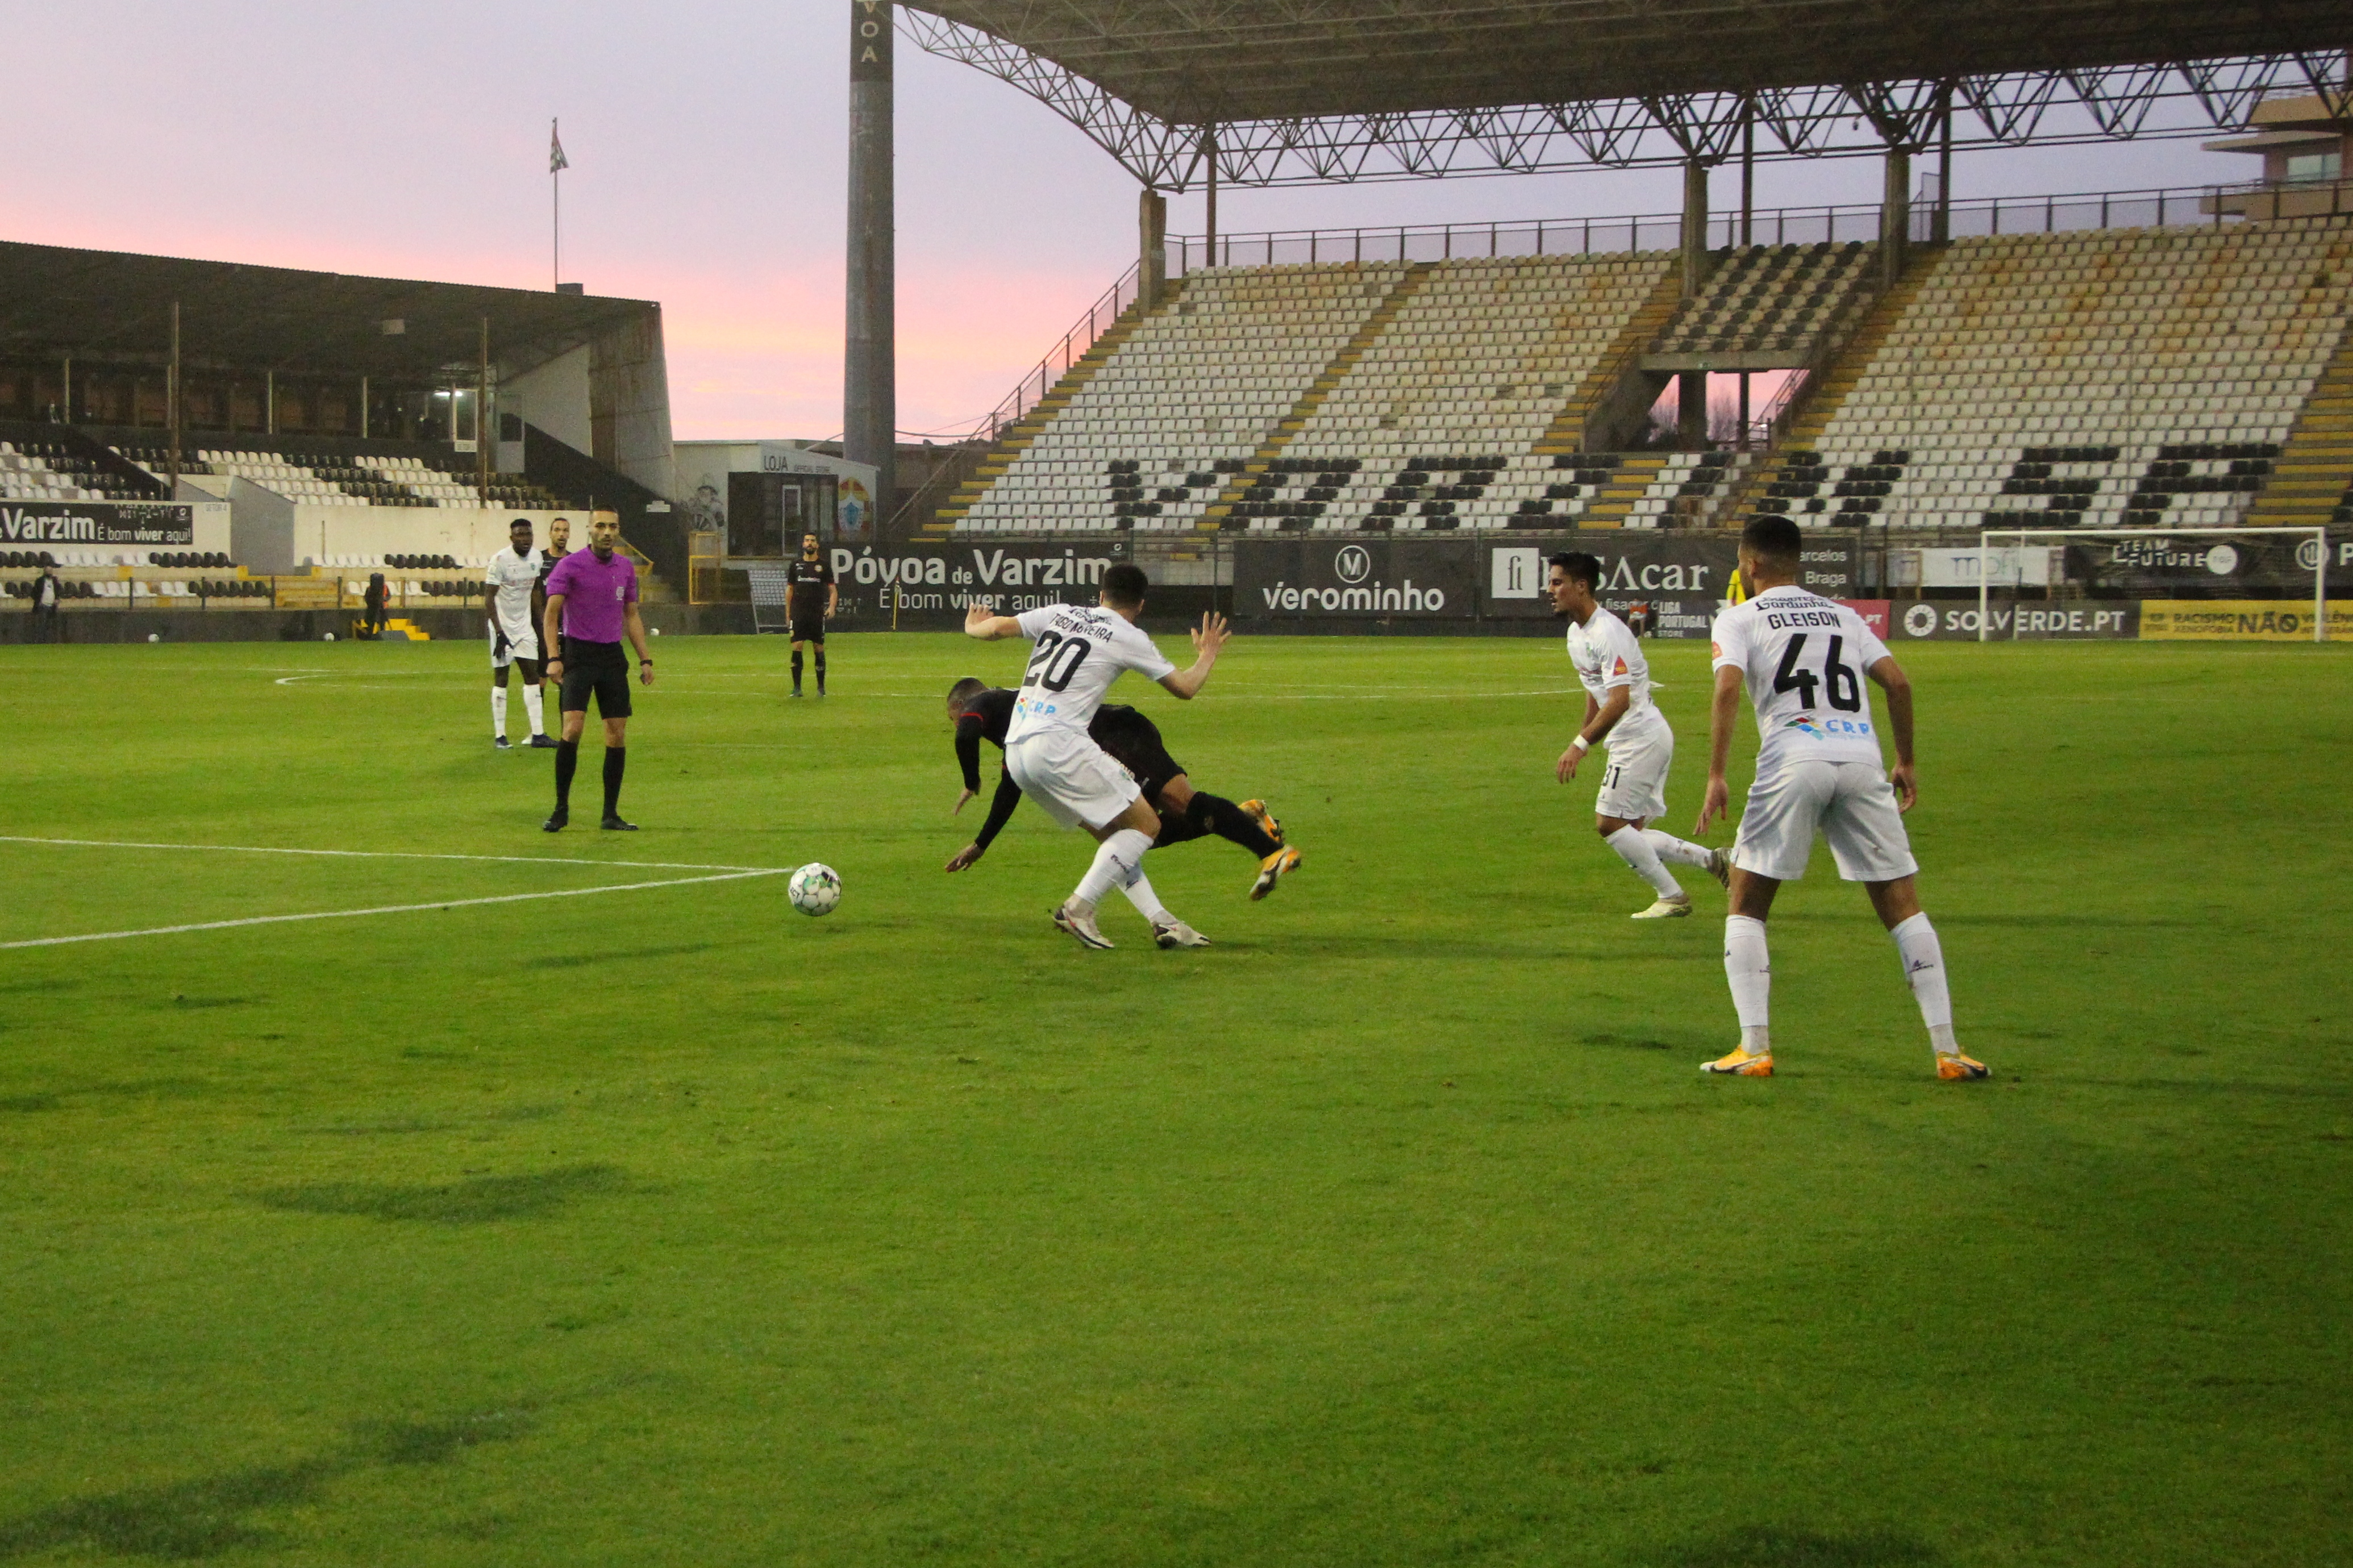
{"points": [[1080, 651], [1805, 660]]}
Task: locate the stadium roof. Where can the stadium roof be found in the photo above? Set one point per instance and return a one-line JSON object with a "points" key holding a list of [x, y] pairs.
{"points": [[1197, 62], [1319, 91], [115, 305]]}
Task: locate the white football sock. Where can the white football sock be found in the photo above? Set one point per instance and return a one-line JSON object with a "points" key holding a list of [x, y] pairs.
{"points": [[1635, 850], [498, 711], [1749, 968], [531, 705], [1676, 851], [1116, 857], [1138, 888], [1924, 966]]}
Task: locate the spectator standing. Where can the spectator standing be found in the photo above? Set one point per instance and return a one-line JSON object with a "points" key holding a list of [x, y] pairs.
{"points": [[47, 594]]}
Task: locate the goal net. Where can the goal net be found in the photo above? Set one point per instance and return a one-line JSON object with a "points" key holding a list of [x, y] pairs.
{"points": [[2009, 558]]}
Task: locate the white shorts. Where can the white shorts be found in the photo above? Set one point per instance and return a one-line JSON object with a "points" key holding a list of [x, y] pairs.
{"points": [[1852, 805], [525, 646], [1071, 779], [1634, 775]]}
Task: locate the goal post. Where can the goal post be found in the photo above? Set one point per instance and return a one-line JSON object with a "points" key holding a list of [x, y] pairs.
{"points": [[2317, 534]]}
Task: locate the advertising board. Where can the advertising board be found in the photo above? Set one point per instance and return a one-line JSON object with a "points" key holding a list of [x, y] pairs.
{"points": [[1304, 578], [2238, 620], [70, 522], [929, 586], [1951, 620]]}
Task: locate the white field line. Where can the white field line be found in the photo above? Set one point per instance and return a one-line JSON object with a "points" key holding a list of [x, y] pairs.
{"points": [[381, 909], [398, 855]]}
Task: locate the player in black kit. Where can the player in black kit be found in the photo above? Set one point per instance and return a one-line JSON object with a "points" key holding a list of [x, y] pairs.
{"points": [[981, 712], [810, 595]]}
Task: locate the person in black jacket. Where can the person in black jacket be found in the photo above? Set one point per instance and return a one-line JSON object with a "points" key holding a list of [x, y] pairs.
{"points": [[373, 599], [47, 594], [981, 712]]}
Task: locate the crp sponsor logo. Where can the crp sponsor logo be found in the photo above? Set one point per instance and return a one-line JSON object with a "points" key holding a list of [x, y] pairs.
{"points": [[1354, 564], [1920, 621], [2309, 553], [2223, 560]]}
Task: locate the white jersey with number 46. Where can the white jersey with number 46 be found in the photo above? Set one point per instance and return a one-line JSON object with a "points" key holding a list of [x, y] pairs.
{"points": [[1080, 651], [1806, 659]]}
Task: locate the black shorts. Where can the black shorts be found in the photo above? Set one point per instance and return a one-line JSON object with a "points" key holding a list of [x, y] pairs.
{"points": [[808, 628], [598, 666], [1134, 743]]}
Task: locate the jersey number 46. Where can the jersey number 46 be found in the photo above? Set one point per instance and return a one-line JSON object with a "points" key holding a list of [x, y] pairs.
{"points": [[1845, 690]]}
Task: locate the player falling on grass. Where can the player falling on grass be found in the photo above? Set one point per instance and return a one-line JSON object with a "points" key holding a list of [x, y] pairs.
{"points": [[1080, 650], [982, 712], [1620, 717], [592, 602], [1804, 659], [810, 594], [512, 581]]}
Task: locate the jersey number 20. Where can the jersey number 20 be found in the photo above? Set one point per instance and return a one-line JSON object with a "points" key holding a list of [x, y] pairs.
{"points": [[1845, 692], [1057, 659]]}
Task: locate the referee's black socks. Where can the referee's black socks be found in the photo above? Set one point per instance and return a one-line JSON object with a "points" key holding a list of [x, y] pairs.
{"points": [[1227, 820], [797, 669], [567, 762], [616, 759], [820, 672]]}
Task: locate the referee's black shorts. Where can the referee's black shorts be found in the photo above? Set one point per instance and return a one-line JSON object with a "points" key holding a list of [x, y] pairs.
{"points": [[598, 666], [809, 624], [1135, 743]]}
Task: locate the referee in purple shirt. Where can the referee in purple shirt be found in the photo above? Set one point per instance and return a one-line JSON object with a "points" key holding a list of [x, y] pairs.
{"points": [[592, 599]]}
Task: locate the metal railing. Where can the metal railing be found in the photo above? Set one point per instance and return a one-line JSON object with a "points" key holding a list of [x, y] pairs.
{"points": [[1838, 224], [1075, 342]]}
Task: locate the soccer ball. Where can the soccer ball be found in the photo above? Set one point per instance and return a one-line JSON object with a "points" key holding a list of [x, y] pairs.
{"points": [[329, 637], [154, 636], [815, 890]]}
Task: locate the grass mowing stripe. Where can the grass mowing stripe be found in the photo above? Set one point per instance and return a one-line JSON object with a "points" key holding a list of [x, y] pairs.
{"points": [[384, 909], [394, 855]]}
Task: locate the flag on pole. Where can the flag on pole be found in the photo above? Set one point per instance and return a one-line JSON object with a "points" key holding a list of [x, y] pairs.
{"points": [[555, 158]]}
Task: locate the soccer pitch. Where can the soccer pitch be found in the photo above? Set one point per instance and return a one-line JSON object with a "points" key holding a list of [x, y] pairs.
{"points": [[659, 1225]]}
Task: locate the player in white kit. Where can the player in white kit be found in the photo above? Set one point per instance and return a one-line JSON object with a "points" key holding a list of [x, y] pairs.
{"points": [[1620, 715], [1080, 651], [514, 576], [1804, 661]]}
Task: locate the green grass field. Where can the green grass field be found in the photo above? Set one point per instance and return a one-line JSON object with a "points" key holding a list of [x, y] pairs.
{"points": [[667, 1226]]}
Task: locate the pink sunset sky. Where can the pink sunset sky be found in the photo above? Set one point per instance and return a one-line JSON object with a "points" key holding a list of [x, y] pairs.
{"points": [[707, 141]]}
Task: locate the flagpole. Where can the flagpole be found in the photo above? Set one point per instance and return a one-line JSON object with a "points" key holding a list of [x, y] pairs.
{"points": [[555, 193]]}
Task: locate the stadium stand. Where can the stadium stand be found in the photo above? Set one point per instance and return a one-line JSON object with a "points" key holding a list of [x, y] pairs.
{"points": [[38, 470], [425, 477], [1191, 393], [2124, 378], [1781, 298]]}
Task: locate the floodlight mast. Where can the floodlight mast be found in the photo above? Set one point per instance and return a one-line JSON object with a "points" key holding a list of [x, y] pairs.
{"points": [[869, 400]]}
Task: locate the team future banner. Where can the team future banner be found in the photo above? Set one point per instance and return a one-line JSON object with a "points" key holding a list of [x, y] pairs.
{"points": [[2190, 565], [1304, 578], [36, 522]]}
